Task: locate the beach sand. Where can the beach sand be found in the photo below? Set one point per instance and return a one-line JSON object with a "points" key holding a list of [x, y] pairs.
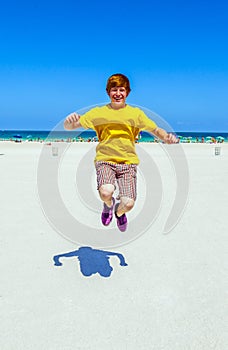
{"points": [[171, 296]]}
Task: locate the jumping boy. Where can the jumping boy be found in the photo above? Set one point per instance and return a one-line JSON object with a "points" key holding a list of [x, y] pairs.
{"points": [[117, 125]]}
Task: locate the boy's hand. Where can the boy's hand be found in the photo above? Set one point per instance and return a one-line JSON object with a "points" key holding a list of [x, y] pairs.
{"points": [[164, 136], [72, 121], [170, 138], [72, 118]]}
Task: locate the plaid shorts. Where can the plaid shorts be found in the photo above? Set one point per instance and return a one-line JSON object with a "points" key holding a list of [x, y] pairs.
{"points": [[123, 174]]}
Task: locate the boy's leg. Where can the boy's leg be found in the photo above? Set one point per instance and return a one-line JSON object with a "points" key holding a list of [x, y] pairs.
{"points": [[121, 208], [106, 192], [125, 205], [105, 181], [127, 182], [106, 187], [126, 178]]}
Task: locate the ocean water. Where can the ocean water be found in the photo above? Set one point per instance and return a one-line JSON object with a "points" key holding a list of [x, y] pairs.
{"points": [[90, 135]]}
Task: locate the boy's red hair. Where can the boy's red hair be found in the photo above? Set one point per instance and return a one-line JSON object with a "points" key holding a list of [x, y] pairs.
{"points": [[117, 80]]}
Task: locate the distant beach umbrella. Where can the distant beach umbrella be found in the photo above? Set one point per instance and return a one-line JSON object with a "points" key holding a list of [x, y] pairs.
{"points": [[220, 138], [208, 137], [17, 136]]}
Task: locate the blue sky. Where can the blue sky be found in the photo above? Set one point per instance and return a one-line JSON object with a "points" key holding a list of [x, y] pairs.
{"points": [[55, 58]]}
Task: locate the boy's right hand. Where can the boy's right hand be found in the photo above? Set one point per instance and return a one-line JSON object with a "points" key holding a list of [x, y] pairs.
{"points": [[72, 118], [72, 121]]}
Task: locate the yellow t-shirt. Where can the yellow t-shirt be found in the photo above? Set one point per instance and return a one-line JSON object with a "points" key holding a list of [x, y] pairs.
{"points": [[116, 131]]}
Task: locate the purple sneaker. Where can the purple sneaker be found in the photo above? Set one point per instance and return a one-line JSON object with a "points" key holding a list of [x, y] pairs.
{"points": [[121, 220], [107, 213]]}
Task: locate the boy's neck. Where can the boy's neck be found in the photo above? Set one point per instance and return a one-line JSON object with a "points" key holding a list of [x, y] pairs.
{"points": [[117, 106]]}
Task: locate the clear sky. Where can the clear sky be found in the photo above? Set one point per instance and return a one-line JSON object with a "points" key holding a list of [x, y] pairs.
{"points": [[55, 58]]}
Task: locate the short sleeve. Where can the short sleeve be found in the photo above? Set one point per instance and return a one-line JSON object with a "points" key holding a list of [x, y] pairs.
{"points": [[146, 123], [87, 120]]}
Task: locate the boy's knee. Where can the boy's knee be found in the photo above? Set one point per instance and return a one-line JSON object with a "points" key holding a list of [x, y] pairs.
{"points": [[106, 191], [128, 203]]}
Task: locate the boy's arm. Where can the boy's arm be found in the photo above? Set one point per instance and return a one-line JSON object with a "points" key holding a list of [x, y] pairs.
{"points": [[72, 121], [164, 136]]}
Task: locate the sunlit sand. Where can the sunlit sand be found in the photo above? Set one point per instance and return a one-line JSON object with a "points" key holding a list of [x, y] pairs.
{"points": [[170, 296]]}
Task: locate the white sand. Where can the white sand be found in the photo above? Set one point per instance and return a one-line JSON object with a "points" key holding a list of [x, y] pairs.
{"points": [[171, 296]]}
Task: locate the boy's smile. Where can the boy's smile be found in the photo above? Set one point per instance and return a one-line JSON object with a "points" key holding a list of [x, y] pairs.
{"points": [[118, 96]]}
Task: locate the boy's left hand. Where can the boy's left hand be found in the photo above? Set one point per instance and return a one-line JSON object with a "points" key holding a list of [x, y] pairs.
{"points": [[170, 138]]}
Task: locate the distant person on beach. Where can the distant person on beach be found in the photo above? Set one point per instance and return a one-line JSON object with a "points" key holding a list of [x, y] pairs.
{"points": [[117, 126]]}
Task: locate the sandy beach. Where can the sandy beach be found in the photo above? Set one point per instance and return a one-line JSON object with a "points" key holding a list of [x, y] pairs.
{"points": [[172, 295]]}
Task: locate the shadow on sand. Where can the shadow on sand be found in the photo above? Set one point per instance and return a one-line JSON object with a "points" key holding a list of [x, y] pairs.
{"points": [[92, 261]]}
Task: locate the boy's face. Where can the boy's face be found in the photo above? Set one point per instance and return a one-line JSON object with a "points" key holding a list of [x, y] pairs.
{"points": [[118, 96]]}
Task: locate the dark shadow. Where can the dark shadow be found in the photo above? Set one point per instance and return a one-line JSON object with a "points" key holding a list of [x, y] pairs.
{"points": [[92, 261]]}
